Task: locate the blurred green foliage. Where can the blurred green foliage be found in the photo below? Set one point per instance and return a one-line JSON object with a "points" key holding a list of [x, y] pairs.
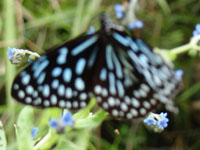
{"points": [[38, 25]]}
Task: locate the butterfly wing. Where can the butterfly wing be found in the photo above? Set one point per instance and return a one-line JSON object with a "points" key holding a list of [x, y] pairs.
{"points": [[61, 78], [128, 80]]}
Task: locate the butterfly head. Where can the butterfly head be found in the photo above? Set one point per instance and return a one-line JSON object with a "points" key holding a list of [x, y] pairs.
{"points": [[107, 24]]}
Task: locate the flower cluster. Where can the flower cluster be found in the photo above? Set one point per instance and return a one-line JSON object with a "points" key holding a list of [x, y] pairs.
{"points": [[133, 23], [197, 30], [119, 11], [16, 55], [157, 122], [60, 125]]}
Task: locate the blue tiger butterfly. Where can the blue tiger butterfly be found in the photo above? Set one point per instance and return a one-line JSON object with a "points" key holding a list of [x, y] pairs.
{"points": [[127, 78]]}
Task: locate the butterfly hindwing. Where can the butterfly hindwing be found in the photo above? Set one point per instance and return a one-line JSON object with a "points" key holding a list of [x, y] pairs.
{"points": [[121, 89], [157, 74]]}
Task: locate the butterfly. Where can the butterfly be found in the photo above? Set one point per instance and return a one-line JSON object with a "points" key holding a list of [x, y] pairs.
{"points": [[125, 76]]}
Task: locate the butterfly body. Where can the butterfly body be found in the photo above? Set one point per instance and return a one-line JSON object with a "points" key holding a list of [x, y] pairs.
{"points": [[126, 77]]}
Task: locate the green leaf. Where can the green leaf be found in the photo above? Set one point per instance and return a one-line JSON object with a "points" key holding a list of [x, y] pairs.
{"points": [[24, 129], [47, 141], [79, 141], [3, 143], [91, 121], [85, 111]]}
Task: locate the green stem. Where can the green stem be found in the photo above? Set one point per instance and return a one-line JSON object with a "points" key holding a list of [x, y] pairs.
{"points": [[47, 142], [9, 34], [77, 21], [181, 49]]}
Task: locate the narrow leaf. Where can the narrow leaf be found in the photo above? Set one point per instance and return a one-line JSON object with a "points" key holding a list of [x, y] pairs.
{"points": [[24, 129]]}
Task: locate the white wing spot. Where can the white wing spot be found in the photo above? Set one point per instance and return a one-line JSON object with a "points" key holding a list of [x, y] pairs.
{"points": [[16, 86], [69, 92], [83, 96], [35, 94], [41, 78], [46, 90], [136, 94], [67, 75], [46, 103], [105, 105], [104, 92], [99, 99], [79, 84], [111, 101], [68, 104], [61, 103], [127, 100], [53, 99], [120, 88], [21, 94], [29, 89], [62, 58], [80, 65], [61, 90], [134, 112], [97, 89], [75, 104], [112, 83], [129, 116], [146, 104], [28, 100], [153, 101], [115, 112], [26, 79], [143, 111], [145, 87], [55, 84], [103, 74], [121, 113], [82, 104], [124, 107], [135, 102], [56, 72]]}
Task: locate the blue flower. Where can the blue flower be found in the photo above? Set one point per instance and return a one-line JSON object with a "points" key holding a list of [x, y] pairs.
{"points": [[34, 132], [53, 123], [118, 11], [61, 124], [29, 60], [157, 122], [163, 123], [67, 119], [134, 25], [178, 74], [197, 30], [91, 30], [150, 121], [11, 52]]}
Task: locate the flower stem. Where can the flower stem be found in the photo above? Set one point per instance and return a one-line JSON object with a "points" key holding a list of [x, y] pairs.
{"points": [[181, 49]]}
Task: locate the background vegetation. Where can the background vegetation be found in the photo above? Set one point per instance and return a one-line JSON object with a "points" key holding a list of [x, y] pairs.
{"points": [[38, 25]]}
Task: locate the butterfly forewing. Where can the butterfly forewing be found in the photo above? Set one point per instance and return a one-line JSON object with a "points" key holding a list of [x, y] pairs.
{"points": [[61, 77]]}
